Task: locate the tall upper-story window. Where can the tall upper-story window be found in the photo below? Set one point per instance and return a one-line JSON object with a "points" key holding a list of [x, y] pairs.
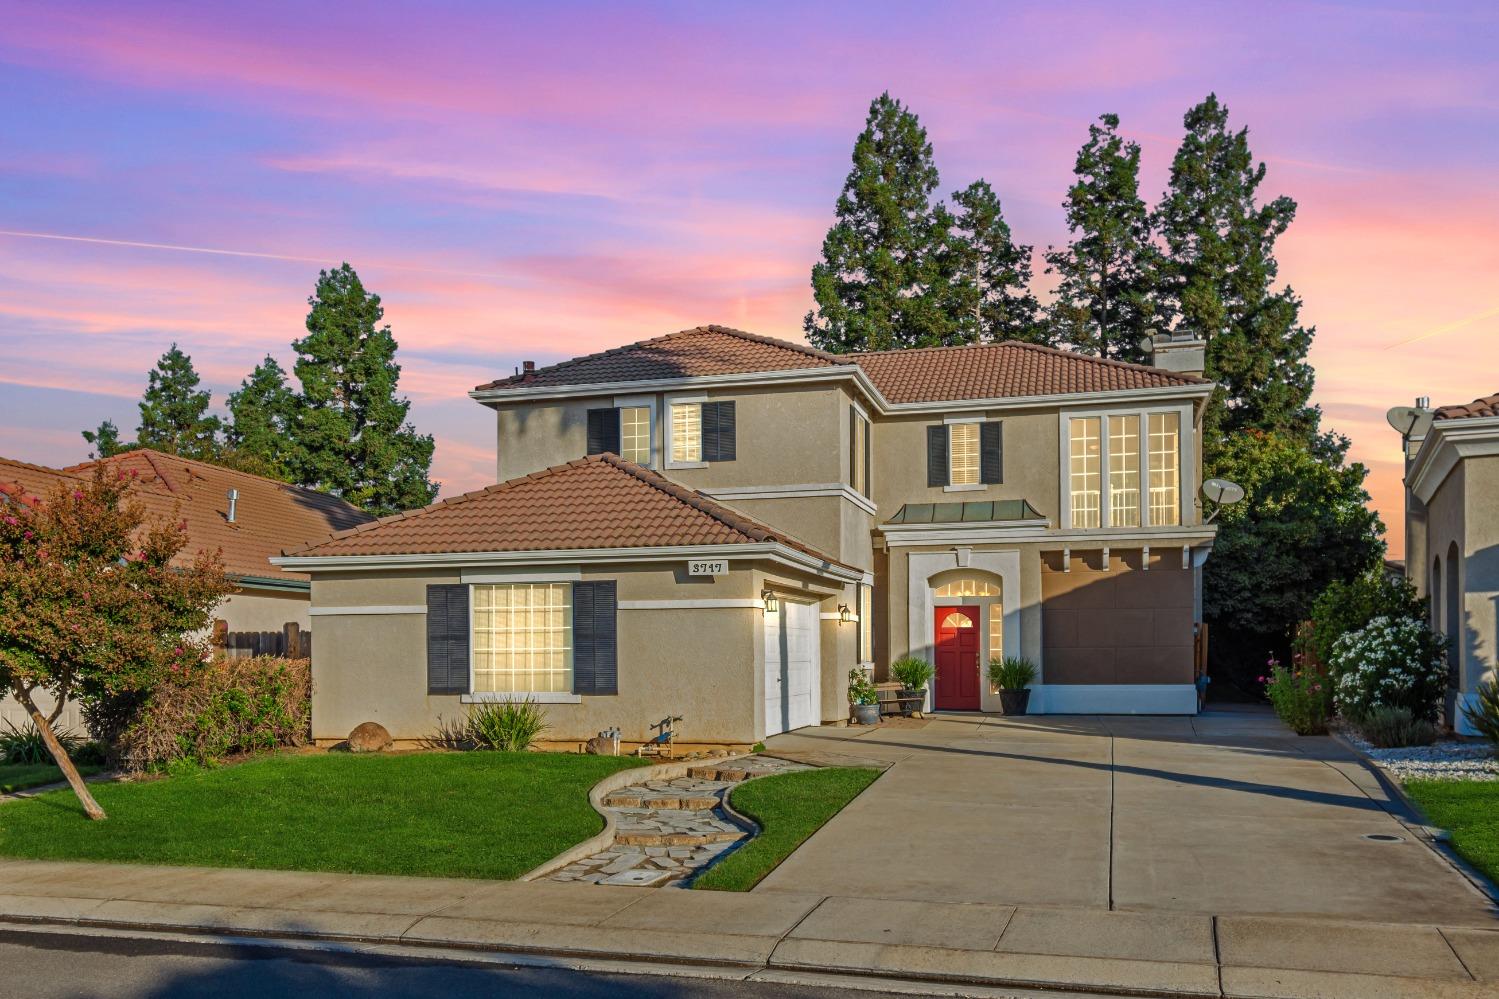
{"points": [[858, 451], [964, 454], [1109, 449], [702, 431], [1083, 471], [1124, 471], [1165, 465], [635, 434]]}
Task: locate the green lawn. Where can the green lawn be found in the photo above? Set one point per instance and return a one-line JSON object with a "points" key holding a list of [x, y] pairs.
{"points": [[1469, 810], [20, 776], [789, 808], [480, 815]]}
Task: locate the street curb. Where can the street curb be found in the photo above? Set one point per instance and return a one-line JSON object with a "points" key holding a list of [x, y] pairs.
{"points": [[596, 794], [1418, 823]]}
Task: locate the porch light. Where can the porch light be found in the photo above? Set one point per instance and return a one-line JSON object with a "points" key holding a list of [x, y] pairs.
{"points": [[844, 614], [771, 603]]}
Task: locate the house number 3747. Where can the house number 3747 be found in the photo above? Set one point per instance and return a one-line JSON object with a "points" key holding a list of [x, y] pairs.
{"points": [[708, 567]]}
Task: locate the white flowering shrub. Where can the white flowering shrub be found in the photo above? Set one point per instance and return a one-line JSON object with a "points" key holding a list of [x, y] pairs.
{"points": [[1392, 662]]}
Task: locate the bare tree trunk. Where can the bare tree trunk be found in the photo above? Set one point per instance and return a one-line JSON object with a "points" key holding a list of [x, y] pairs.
{"points": [[44, 726]]}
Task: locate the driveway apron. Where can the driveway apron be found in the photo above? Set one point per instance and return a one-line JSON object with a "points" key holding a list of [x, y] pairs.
{"points": [[1224, 813]]}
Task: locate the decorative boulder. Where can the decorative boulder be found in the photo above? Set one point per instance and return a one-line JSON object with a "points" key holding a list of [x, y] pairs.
{"points": [[369, 737]]}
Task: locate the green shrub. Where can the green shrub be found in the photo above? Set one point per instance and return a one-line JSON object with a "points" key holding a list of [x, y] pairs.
{"points": [[228, 706], [1012, 673], [1301, 695], [1483, 715], [508, 726], [1391, 728], [1349, 605], [913, 673], [861, 688], [24, 745]]}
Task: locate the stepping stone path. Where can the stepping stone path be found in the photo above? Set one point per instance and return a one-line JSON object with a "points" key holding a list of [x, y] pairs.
{"points": [[667, 831]]}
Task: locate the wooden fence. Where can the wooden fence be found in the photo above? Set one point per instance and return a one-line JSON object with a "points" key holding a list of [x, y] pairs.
{"points": [[291, 642]]}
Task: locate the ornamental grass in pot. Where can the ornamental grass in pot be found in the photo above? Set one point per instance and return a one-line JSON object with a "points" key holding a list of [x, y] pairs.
{"points": [[914, 674], [862, 698], [1012, 676]]}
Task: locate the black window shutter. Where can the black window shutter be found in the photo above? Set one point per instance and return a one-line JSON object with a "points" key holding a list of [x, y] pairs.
{"points": [[718, 431], [447, 639], [853, 444], [869, 459], [936, 455], [992, 451], [595, 638], [603, 431]]}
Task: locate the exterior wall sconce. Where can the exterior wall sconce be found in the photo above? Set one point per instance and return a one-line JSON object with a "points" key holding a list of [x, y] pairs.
{"points": [[772, 604], [844, 614]]}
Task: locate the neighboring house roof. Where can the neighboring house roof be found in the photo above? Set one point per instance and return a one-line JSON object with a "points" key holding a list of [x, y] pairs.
{"points": [[930, 374], [269, 515], [1004, 370], [982, 511], [598, 502], [1486, 406]]}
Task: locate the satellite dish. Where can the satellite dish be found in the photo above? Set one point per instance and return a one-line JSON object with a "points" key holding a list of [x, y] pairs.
{"points": [[1222, 491], [1409, 421]]}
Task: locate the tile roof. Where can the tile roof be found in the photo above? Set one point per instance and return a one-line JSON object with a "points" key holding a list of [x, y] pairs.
{"points": [[601, 501], [1486, 406], [929, 374], [269, 515], [703, 350], [1004, 370]]}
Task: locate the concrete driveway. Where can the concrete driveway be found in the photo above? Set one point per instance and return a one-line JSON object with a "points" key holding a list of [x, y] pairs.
{"points": [[1226, 813]]}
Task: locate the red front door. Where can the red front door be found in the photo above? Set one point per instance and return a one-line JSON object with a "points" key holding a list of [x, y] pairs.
{"points": [[957, 683]]}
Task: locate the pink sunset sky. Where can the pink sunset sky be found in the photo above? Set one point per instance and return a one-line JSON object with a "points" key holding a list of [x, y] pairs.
{"points": [[538, 182]]}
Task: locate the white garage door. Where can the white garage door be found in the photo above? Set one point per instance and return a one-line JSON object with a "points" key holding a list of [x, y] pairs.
{"points": [[793, 684]]}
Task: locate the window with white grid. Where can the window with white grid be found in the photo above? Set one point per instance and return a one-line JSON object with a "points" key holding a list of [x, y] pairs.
{"points": [[1165, 466], [1124, 471], [523, 638], [687, 431], [635, 434], [996, 631], [963, 452], [1083, 470]]}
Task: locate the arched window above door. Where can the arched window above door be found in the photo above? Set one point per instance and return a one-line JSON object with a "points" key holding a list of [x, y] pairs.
{"points": [[956, 620], [967, 586]]}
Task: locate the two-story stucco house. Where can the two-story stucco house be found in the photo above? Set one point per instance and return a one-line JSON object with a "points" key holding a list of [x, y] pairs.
{"points": [[1452, 537], [718, 526]]}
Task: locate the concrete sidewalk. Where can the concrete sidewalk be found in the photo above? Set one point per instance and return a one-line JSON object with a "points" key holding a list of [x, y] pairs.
{"points": [[777, 935]]}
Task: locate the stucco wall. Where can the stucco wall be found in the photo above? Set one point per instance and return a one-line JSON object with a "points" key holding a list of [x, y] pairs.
{"points": [[1480, 571], [699, 662]]}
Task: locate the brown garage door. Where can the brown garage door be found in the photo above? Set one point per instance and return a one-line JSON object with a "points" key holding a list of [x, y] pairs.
{"points": [[1117, 625]]}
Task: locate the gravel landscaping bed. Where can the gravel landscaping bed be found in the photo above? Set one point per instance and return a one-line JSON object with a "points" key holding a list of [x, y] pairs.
{"points": [[1446, 759]]}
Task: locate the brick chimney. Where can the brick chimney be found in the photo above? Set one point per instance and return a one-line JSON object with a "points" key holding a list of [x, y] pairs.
{"points": [[528, 371], [1183, 355]]}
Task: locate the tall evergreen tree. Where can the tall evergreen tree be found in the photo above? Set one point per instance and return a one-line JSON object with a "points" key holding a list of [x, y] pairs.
{"points": [[262, 431], [353, 438], [1103, 301], [880, 282], [174, 410], [1219, 277], [989, 273]]}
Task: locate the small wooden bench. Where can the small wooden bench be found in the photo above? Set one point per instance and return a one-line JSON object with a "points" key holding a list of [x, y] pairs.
{"points": [[893, 700]]}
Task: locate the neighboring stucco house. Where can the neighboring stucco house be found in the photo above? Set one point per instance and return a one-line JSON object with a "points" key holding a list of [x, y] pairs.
{"points": [[718, 525], [266, 516], [1452, 537]]}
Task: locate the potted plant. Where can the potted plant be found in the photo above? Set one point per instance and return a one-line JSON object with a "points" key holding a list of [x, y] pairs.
{"points": [[862, 696], [1011, 676], [914, 674]]}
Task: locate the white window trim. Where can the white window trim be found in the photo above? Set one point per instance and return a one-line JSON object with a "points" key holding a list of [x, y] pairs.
{"points": [[670, 448], [1186, 480], [647, 403], [502, 696], [964, 487]]}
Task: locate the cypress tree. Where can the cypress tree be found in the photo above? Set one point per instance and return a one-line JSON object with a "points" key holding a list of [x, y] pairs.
{"points": [[1103, 301], [1219, 276], [881, 281], [989, 273], [353, 438]]}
